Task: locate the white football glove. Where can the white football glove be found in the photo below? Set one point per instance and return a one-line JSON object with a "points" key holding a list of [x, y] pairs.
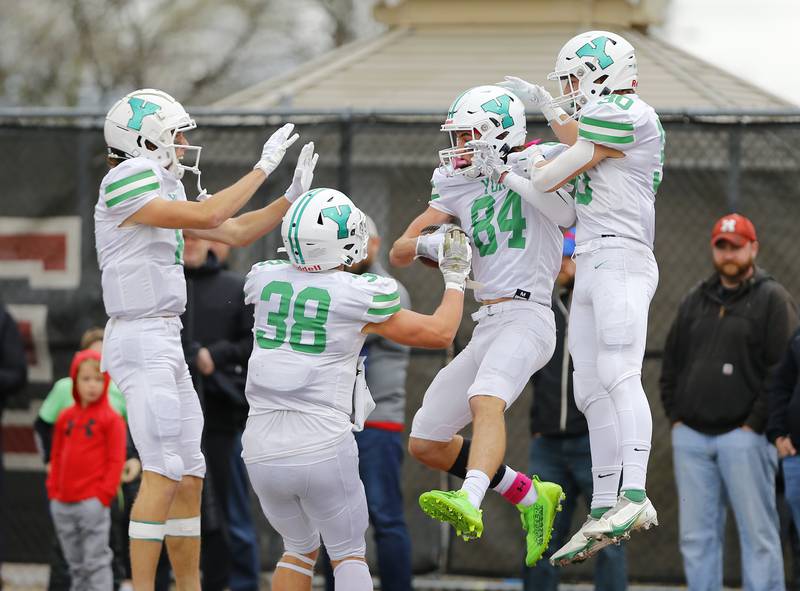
{"points": [[487, 160], [303, 173], [275, 148], [533, 96], [429, 242], [455, 259], [521, 162]]}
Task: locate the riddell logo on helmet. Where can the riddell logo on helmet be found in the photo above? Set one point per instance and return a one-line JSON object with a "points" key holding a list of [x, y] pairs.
{"points": [[309, 267]]}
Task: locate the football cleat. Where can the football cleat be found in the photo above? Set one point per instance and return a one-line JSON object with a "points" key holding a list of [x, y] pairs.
{"points": [[623, 518], [580, 547], [453, 507], [537, 519]]}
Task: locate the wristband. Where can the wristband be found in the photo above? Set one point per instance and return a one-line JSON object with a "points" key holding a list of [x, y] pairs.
{"points": [[552, 113], [454, 285]]}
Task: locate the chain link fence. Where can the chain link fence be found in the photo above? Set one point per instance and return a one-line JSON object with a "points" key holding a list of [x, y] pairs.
{"points": [[52, 165]]}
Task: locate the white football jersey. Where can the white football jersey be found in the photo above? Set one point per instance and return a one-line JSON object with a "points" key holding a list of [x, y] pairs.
{"points": [[516, 251], [307, 337], [141, 266], [617, 197]]}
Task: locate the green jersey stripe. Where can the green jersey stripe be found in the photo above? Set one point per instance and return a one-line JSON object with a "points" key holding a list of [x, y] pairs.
{"points": [[611, 139], [128, 180], [132, 193], [434, 196], [606, 124], [386, 305], [386, 297], [384, 311]]}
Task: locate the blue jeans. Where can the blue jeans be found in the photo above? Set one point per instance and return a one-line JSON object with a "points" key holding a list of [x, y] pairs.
{"points": [[791, 480], [245, 568], [568, 461], [737, 467], [380, 458]]}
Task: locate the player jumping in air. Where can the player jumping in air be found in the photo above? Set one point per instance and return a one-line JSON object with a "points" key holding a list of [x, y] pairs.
{"points": [[615, 160], [140, 218], [311, 319], [516, 257]]}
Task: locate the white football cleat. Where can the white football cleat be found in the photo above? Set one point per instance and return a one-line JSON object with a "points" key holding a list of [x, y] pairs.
{"points": [[580, 546], [622, 519]]}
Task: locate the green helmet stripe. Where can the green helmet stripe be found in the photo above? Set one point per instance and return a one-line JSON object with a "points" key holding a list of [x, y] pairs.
{"points": [[292, 244], [454, 106], [298, 215]]}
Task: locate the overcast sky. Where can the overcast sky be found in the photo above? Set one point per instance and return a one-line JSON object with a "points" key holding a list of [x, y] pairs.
{"points": [[755, 39]]}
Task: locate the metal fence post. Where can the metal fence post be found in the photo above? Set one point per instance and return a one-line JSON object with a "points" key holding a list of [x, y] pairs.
{"points": [[345, 152], [734, 166]]}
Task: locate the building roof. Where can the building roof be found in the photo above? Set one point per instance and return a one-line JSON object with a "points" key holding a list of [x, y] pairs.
{"points": [[429, 54]]}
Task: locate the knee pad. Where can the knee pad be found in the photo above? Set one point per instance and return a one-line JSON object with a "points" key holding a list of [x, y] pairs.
{"points": [[616, 365], [173, 466], [183, 528], [586, 387]]}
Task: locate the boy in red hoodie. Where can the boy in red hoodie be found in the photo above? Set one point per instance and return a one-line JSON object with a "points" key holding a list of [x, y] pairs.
{"points": [[85, 468]]}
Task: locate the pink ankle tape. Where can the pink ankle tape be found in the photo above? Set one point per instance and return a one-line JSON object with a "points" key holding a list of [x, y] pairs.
{"points": [[518, 489]]}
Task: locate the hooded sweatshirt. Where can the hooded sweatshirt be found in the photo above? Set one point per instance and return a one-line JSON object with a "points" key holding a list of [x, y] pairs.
{"points": [[88, 446], [720, 351]]}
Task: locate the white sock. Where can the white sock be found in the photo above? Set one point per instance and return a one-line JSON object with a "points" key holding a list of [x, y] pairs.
{"points": [[510, 479], [606, 452], [352, 575], [476, 484], [635, 430]]}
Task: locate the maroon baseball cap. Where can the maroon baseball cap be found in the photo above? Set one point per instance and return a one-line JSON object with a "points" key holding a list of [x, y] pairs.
{"points": [[735, 228]]}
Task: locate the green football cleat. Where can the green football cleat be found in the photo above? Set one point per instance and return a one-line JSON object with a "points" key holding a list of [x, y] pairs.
{"points": [[453, 507], [537, 519]]}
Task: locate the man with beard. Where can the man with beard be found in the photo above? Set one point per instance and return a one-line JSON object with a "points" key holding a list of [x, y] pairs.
{"points": [[730, 332]]}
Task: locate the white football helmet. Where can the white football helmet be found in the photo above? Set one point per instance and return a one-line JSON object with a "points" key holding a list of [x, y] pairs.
{"points": [[144, 123], [602, 62], [324, 229], [495, 113]]}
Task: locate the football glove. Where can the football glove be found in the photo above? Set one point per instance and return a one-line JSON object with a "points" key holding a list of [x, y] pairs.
{"points": [[303, 173], [275, 148], [522, 161], [487, 160], [430, 240], [455, 259], [533, 96]]}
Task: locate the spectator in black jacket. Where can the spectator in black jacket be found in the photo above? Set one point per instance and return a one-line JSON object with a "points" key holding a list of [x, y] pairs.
{"points": [[13, 377], [218, 339], [559, 450], [730, 333], [783, 427]]}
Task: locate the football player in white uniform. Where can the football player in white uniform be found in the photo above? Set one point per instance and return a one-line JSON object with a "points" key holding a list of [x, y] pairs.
{"points": [[311, 319], [615, 160], [516, 257], [140, 218]]}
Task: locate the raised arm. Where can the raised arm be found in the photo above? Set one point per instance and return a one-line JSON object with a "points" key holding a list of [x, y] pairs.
{"points": [[549, 175], [404, 249], [212, 212], [536, 97], [246, 228]]}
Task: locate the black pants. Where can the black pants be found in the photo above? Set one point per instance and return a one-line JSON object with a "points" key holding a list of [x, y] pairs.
{"points": [[215, 546]]}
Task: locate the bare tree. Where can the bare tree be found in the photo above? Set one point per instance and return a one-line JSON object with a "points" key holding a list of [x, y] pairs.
{"points": [[87, 52]]}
